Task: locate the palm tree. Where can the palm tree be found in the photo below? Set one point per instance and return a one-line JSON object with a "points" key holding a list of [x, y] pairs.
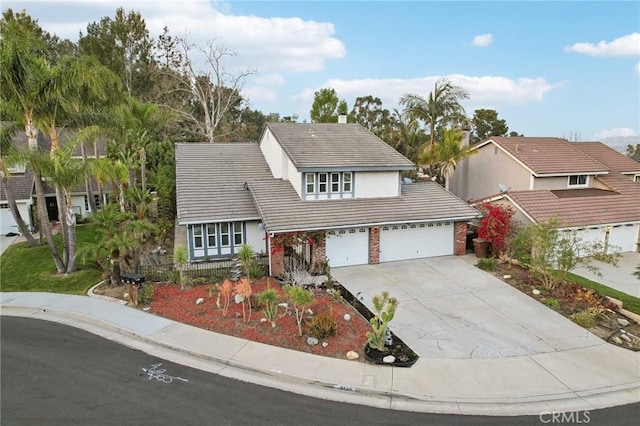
{"points": [[23, 73], [140, 200], [441, 108], [447, 154], [181, 258], [403, 133]]}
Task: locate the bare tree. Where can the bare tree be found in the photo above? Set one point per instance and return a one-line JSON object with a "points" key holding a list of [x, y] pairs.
{"points": [[204, 96]]}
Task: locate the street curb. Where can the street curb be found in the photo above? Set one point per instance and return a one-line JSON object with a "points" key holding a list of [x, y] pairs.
{"points": [[390, 399]]}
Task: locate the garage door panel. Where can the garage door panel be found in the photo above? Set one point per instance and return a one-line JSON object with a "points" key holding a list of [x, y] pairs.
{"points": [[347, 247], [414, 241], [624, 237]]}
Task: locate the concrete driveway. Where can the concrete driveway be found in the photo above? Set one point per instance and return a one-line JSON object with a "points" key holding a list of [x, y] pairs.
{"points": [[618, 277], [451, 309]]}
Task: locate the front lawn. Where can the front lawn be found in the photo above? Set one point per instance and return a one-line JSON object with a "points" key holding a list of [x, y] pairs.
{"points": [[32, 269]]}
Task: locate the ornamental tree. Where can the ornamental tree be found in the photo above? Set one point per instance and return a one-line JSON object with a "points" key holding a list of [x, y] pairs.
{"points": [[496, 226]]}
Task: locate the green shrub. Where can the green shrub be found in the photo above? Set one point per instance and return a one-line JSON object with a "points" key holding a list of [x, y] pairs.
{"points": [[174, 277], [256, 270], [145, 294], [587, 318], [323, 325], [552, 303], [487, 264]]}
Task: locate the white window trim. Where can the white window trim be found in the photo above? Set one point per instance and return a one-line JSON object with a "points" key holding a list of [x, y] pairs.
{"points": [[578, 185], [325, 183], [345, 182], [311, 176]]}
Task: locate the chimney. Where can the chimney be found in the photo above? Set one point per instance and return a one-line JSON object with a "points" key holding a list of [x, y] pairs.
{"points": [[342, 118]]}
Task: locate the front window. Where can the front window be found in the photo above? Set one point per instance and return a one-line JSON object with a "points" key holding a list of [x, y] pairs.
{"points": [[237, 233], [211, 235], [346, 182], [578, 180], [197, 237], [224, 234], [311, 183]]}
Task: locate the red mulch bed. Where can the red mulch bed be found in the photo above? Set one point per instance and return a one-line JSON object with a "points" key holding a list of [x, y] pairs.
{"points": [[180, 305]]}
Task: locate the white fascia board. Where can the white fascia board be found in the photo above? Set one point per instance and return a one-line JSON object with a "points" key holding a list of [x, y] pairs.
{"points": [[200, 222]]}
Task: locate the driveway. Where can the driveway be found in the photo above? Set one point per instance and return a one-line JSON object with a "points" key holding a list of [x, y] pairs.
{"points": [[618, 277], [451, 309]]}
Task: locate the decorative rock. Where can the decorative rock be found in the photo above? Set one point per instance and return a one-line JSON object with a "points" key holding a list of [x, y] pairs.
{"points": [[347, 317], [626, 338], [312, 341], [238, 315], [506, 277], [389, 359], [536, 292], [263, 320], [325, 344], [623, 322], [284, 305], [352, 355], [238, 299], [200, 301], [309, 312], [126, 296], [147, 309], [617, 340]]}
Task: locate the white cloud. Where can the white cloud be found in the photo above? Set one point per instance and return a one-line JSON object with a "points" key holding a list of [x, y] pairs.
{"points": [[637, 68], [484, 91], [483, 40], [614, 133], [628, 45], [259, 93], [267, 44]]}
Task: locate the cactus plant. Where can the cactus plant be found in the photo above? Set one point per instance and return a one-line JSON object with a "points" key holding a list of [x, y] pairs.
{"points": [[385, 308]]}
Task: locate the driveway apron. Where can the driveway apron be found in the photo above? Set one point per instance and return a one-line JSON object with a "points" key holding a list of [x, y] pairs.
{"points": [[451, 309]]}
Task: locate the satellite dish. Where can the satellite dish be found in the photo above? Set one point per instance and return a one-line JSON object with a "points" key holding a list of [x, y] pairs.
{"points": [[503, 188]]}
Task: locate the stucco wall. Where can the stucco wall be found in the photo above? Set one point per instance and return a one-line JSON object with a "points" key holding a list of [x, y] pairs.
{"points": [[490, 167], [255, 236], [376, 184], [560, 182], [272, 153]]}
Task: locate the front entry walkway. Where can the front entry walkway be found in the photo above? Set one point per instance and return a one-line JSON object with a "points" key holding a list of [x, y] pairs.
{"points": [[451, 309]]}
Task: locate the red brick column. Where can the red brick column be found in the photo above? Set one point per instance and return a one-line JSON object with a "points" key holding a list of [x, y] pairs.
{"points": [[374, 245], [277, 259], [318, 252], [460, 247]]}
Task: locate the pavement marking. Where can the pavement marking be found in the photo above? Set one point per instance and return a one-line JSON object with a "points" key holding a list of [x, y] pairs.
{"points": [[155, 372]]}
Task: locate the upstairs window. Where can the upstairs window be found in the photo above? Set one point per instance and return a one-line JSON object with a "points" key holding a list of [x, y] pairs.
{"points": [[346, 182], [211, 235], [578, 180], [237, 233], [310, 179], [322, 183], [197, 237], [335, 182]]}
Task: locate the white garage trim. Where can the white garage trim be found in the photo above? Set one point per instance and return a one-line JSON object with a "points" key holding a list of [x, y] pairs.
{"points": [[416, 240], [346, 247]]}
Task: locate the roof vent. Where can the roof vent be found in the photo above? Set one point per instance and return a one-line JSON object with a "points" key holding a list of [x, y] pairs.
{"points": [[342, 118]]}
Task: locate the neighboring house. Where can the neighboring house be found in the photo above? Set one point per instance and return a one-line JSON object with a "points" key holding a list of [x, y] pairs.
{"points": [[588, 186], [22, 182], [338, 182]]}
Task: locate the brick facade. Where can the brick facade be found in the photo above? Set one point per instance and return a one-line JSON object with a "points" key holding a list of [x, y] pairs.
{"points": [[318, 253], [277, 261], [460, 247], [374, 245]]}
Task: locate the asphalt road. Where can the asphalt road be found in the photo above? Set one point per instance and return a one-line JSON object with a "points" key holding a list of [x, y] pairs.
{"points": [[52, 374]]}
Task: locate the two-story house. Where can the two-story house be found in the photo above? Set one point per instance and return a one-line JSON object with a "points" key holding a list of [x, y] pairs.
{"points": [[337, 180], [21, 181], [588, 186]]}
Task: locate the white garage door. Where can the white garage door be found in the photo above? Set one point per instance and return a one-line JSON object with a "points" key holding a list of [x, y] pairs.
{"points": [[625, 237], [413, 241], [347, 247], [7, 224]]}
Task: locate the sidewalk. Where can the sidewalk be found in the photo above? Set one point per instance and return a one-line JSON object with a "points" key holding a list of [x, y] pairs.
{"points": [[586, 378]]}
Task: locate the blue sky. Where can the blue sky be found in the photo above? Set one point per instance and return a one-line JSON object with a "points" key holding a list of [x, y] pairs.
{"points": [[568, 69]]}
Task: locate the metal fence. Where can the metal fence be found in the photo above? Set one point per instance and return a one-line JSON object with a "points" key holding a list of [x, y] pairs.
{"points": [[213, 271]]}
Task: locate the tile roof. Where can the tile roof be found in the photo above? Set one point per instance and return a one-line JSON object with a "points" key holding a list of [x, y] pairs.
{"points": [[621, 204], [22, 185], [282, 209], [210, 181], [336, 145], [549, 155]]}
